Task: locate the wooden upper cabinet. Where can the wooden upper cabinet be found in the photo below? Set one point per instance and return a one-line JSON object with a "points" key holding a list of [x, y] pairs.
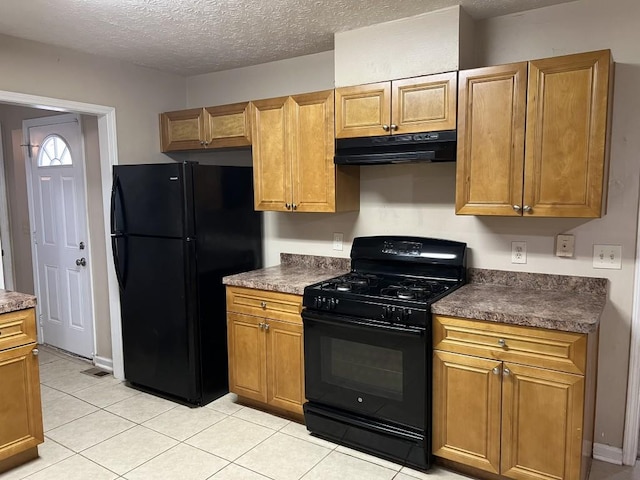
{"points": [[182, 130], [566, 156], [555, 167], [411, 105], [293, 150], [271, 157], [491, 120], [229, 125], [211, 127]]}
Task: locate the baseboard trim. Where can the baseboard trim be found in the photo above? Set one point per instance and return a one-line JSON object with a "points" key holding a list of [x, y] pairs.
{"points": [[607, 453], [103, 363]]}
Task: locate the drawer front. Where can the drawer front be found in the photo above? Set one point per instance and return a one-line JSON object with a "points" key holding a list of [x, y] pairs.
{"points": [[261, 303], [539, 347], [17, 328]]}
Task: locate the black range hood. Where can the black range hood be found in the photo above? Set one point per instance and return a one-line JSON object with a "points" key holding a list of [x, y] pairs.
{"points": [[407, 148]]}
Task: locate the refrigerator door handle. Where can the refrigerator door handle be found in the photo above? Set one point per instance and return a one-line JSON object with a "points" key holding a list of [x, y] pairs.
{"points": [[116, 200], [120, 275]]}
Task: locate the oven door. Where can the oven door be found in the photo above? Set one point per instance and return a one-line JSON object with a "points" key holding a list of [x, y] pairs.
{"points": [[367, 367]]}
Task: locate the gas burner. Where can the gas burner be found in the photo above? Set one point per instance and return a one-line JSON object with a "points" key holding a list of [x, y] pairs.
{"points": [[405, 294], [343, 287]]}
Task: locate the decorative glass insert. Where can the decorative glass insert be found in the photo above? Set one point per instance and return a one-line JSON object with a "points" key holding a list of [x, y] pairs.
{"points": [[54, 152]]}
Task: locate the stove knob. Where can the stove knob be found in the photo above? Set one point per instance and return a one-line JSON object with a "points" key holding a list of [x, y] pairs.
{"points": [[386, 313], [332, 304], [316, 302], [406, 313]]}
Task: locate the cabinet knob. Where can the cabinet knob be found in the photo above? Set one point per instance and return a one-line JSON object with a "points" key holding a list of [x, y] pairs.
{"points": [[385, 128], [202, 142], [496, 370], [266, 326], [502, 343], [261, 325], [35, 352], [263, 305], [294, 206], [506, 371], [394, 127], [517, 208], [526, 208], [288, 205]]}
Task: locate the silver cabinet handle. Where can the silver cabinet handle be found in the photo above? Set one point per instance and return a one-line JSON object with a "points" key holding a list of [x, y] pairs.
{"points": [[496, 370], [288, 205], [202, 142], [206, 144], [526, 208], [394, 127], [294, 206], [263, 305], [502, 343], [517, 208], [266, 326], [261, 325], [385, 127], [506, 371], [35, 352]]}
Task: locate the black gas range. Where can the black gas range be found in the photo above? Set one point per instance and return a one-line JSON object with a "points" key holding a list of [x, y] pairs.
{"points": [[368, 345]]}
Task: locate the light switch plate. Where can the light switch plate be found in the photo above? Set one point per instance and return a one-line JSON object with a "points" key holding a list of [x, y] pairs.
{"points": [[337, 241], [607, 256], [565, 245]]}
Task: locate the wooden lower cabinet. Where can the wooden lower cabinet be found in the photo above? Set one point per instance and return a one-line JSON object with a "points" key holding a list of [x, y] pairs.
{"points": [[266, 361], [511, 419], [21, 427]]}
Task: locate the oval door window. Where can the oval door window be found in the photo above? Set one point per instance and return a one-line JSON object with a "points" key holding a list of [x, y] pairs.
{"points": [[54, 152]]}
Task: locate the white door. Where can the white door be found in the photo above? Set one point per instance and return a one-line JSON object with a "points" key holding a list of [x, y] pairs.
{"points": [[60, 235]]}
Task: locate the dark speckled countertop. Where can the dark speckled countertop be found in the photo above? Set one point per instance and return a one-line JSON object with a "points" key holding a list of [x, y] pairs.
{"points": [[12, 301], [558, 302], [293, 274]]}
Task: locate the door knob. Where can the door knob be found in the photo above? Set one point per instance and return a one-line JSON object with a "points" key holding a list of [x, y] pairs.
{"points": [[81, 246], [81, 262], [35, 352]]}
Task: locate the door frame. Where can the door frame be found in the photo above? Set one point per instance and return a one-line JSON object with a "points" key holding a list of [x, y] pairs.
{"points": [[6, 262], [108, 157], [26, 140]]}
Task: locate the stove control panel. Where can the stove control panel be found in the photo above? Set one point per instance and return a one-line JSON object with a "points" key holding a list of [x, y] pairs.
{"points": [[403, 248], [396, 314], [325, 303]]}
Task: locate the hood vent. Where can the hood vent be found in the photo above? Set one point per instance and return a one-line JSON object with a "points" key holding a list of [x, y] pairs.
{"points": [[407, 148]]}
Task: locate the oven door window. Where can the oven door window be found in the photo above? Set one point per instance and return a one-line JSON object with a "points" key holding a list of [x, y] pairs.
{"points": [[367, 369], [360, 367]]}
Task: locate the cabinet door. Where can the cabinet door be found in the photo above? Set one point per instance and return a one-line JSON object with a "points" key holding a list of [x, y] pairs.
{"points": [[466, 410], [229, 125], [285, 358], [21, 412], [312, 151], [424, 104], [565, 158], [363, 110], [491, 122], [541, 423], [247, 354], [271, 157], [182, 130]]}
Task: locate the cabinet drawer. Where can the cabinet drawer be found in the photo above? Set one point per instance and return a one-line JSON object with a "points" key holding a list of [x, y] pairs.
{"points": [[261, 303], [17, 328], [562, 351]]}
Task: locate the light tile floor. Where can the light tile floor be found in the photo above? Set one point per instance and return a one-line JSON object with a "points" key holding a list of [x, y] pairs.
{"points": [[100, 429]]}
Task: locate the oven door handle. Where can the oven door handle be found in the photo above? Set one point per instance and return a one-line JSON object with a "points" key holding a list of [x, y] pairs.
{"points": [[351, 322]]}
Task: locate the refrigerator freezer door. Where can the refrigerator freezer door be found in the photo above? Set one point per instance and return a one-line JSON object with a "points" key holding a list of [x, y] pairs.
{"points": [[158, 317], [152, 200]]}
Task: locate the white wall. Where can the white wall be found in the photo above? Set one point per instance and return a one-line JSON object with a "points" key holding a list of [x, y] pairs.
{"points": [[419, 199]]}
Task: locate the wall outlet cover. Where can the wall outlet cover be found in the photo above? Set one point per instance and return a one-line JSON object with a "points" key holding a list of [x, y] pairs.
{"points": [[518, 252], [565, 245], [607, 256], [337, 241]]}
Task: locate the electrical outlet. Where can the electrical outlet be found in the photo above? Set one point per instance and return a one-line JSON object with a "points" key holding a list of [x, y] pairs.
{"points": [[337, 241], [607, 256], [565, 245], [518, 252]]}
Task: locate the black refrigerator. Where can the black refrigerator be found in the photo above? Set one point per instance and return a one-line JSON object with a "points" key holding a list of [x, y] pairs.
{"points": [[176, 230]]}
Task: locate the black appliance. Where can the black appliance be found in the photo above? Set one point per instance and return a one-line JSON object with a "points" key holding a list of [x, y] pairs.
{"points": [[401, 148], [368, 349], [176, 230]]}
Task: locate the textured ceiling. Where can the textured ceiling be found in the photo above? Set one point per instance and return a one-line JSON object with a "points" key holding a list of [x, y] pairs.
{"points": [[189, 37]]}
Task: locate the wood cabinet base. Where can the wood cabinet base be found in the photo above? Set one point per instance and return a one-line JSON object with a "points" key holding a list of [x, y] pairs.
{"points": [[280, 412], [18, 459]]}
